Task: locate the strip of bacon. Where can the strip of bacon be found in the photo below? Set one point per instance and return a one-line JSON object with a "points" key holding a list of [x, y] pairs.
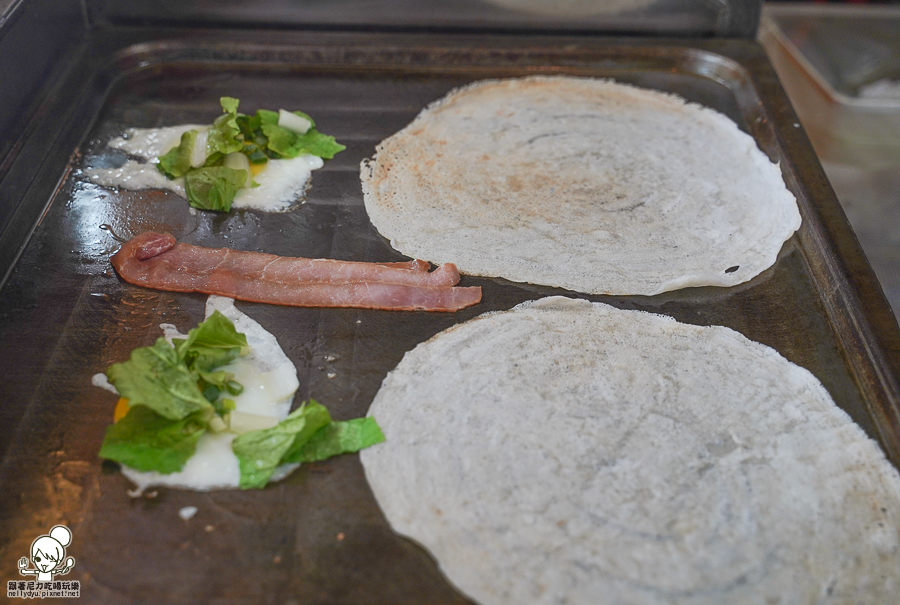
{"points": [[414, 265], [155, 260]]}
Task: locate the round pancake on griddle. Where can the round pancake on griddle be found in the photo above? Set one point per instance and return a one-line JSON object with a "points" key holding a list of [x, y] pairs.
{"points": [[580, 183], [571, 452]]}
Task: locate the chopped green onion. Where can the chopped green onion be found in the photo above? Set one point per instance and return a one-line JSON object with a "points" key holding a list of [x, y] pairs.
{"points": [[293, 122]]}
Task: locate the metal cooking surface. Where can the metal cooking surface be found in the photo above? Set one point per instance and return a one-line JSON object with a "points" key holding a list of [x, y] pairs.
{"points": [[318, 536]]}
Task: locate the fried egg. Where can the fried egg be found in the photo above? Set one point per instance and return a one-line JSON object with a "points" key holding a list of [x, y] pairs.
{"points": [[280, 182], [270, 381]]}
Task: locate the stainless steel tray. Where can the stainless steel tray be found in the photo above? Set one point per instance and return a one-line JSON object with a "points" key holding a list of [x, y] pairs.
{"points": [[319, 537]]}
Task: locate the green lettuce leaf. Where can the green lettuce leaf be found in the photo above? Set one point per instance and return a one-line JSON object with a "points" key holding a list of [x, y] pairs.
{"points": [[259, 452], [308, 434], [224, 135], [289, 144], [213, 187], [213, 343], [229, 104], [280, 140], [266, 116], [341, 437], [177, 162], [146, 441], [156, 377], [316, 143]]}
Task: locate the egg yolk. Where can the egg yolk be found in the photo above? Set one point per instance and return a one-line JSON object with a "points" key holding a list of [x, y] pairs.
{"points": [[121, 409]]}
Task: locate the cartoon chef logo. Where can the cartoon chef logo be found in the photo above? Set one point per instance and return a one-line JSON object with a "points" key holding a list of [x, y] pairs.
{"points": [[48, 553]]}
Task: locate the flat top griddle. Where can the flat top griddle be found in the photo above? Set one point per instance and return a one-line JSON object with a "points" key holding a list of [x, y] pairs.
{"points": [[318, 536]]}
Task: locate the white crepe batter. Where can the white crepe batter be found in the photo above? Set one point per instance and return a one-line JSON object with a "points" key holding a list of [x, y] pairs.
{"points": [[583, 184], [570, 452]]}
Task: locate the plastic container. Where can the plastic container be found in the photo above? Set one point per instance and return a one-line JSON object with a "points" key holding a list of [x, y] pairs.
{"points": [[829, 60]]}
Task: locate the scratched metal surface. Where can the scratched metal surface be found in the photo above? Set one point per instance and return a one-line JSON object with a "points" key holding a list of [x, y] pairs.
{"points": [[319, 537]]}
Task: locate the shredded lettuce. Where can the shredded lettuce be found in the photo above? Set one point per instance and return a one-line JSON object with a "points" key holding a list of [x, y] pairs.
{"points": [[224, 135], [167, 378], [259, 137]]}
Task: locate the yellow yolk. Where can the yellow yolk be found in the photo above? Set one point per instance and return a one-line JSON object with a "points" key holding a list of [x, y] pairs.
{"points": [[257, 168], [121, 409]]}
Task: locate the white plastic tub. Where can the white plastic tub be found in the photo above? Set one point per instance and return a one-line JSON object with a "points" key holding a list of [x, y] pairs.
{"points": [[829, 58]]}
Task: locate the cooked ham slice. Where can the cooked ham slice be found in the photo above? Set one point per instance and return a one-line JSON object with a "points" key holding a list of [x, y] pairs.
{"points": [[155, 260]]}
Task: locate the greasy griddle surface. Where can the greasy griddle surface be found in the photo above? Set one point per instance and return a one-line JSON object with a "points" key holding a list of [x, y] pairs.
{"points": [[317, 537]]}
